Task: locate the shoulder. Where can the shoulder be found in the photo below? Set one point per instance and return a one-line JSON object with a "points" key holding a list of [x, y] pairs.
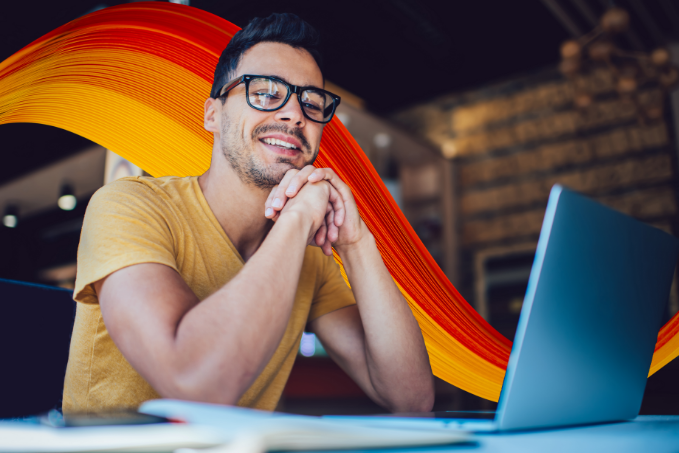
{"points": [[141, 190], [142, 185], [135, 201]]}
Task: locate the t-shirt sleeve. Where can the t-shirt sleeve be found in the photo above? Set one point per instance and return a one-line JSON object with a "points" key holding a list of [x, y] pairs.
{"points": [[334, 292], [126, 223]]}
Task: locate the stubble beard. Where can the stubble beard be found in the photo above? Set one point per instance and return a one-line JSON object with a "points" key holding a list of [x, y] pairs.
{"points": [[250, 170]]}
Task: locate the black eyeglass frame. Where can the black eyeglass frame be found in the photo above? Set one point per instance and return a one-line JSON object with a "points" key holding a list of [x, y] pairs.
{"points": [[298, 90]]}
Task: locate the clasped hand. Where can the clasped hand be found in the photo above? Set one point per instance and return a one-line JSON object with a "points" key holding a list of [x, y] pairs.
{"points": [[322, 194]]}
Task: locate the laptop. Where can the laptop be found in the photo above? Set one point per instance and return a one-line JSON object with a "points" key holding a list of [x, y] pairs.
{"points": [[594, 305], [35, 334]]}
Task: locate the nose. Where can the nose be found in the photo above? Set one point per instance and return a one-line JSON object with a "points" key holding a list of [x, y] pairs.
{"points": [[291, 112]]}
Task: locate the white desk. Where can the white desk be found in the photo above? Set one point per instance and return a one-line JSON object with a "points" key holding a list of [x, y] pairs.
{"points": [[647, 434]]}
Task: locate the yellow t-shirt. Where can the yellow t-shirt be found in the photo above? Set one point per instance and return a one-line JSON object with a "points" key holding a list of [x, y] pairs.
{"points": [[167, 220]]}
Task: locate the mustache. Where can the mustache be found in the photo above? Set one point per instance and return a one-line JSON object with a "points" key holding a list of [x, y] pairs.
{"points": [[295, 132]]}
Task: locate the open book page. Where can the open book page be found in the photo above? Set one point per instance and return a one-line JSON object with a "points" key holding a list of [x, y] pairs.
{"points": [[225, 428], [22, 437], [296, 432]]}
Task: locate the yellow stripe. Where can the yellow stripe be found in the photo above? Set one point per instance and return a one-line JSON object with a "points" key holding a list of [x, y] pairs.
{"points": [[151, 132], [667, 352]]}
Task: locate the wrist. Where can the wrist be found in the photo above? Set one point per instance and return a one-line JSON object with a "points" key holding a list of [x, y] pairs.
{"points": [[365, 243], [297, 219]]}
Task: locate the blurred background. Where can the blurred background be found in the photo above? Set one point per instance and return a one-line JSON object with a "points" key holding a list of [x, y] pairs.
{"points": [[469, 111]]}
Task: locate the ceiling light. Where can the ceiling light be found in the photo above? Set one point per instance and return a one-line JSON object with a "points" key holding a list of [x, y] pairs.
{"points": [[11, 217], [67, 201]]}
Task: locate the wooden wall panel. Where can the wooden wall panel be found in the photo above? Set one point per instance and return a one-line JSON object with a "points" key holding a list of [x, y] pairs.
{"points": [[650, 203], [593, 180], [554, 126], [574, 152], [502, 227], [549, 96]]}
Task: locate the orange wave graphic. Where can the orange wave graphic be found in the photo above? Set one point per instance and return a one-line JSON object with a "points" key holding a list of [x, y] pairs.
{"points": [[134, 78]]}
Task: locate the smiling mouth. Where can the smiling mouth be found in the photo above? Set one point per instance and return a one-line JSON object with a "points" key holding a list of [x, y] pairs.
{"points": [[279, 143]]}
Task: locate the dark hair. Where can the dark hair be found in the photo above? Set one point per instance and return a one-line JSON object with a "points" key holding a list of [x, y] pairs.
{"points": [[284, 28]]}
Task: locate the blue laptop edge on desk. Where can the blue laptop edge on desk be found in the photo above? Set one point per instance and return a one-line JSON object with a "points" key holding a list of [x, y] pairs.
{"points": [[588, 327]]}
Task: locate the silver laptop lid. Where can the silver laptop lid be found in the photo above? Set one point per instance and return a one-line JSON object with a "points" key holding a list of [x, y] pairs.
{"points": [[590, 318]]}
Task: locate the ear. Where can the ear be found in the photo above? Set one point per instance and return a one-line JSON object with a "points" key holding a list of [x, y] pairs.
{"points": [[211, 115]]}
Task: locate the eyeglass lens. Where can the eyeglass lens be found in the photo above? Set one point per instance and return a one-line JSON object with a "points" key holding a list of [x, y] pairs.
{"points": [[269, 94]]}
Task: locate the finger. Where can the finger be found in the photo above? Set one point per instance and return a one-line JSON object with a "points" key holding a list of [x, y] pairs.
{"points": [[279, 197], [296, 183], [338, 206], [329, 175], [333, 231], [313, 239], [321, 234], [268, 211], [327, 248], [320, 237], [317, 175]]}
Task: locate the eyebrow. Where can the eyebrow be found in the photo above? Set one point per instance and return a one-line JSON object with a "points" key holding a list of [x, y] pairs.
{"points": [[284, 80]]}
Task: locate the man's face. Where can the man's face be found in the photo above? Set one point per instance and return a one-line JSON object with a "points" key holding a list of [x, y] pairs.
{"points": [[244, 131]]}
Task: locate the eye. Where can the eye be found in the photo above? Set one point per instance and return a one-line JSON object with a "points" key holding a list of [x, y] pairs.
{"points": [[311, 106], [267, 95], [312, 101]]}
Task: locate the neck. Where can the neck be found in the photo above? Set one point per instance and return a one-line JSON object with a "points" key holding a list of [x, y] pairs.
{"points": [[239, 207]]}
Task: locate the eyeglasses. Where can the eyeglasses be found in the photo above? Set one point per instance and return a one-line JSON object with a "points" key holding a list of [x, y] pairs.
{"points": [[269, 94]]}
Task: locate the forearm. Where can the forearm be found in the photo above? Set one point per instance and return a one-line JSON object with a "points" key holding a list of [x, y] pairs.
{"points": [[396, 358], [222, 344]]}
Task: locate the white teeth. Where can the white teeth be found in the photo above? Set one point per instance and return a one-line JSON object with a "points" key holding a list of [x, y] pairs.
{"points": [[276, 142]]}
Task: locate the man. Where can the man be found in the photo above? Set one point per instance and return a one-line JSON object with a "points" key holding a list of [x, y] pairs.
{"points": [[187, 287]]}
